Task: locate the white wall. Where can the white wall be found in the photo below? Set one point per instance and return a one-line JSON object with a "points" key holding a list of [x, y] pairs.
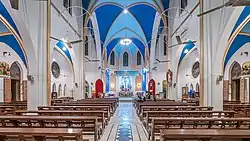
{"points": [[185, 77]]}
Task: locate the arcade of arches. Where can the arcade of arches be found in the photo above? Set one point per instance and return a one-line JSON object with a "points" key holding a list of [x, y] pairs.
{"points": [[118, 56]]}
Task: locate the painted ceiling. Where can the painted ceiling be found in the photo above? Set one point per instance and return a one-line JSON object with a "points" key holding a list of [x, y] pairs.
{"points": [[119, 19], [10, 35], [242, 37]]}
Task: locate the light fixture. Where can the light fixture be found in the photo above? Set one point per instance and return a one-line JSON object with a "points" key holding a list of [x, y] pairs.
{"points": [[65, 40], [64, 48], [186, 51], [125, 42], [138, 85], [53, 59], [197, 59], [125, 11], [112, 85]]}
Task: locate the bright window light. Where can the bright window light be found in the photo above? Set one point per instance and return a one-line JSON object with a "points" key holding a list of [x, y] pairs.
{"points": [[125, 42], [125, 11]]}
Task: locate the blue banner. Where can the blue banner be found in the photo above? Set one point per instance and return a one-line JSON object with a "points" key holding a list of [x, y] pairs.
{"points": [[107, 80], [144, 79], [126, 73]]}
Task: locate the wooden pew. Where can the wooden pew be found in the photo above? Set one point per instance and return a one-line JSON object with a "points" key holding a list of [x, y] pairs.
{"points": [[19, 105], [88, 125], [193, 123], [139, 105], [7, 110], [116, 100], [41, 134], [240, 109], [200, 114], [174, 108], [106, 109], [112, 102], [100, 114], [88, 104], [204, 134]]}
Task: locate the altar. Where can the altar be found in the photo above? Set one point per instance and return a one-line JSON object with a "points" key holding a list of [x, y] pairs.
{"points": [[125, 83]]}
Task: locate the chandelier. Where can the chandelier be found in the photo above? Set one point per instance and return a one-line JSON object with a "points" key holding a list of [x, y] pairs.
{"points": [[125, 42]]}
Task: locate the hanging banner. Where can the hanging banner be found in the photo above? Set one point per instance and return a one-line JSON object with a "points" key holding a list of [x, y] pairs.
{"points": [[107, 80], [126, 73], [144, 79]]}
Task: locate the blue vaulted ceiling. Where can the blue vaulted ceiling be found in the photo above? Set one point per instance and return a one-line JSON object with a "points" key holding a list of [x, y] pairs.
{"points": [[138, 23], [241, 38], [10, 34]]}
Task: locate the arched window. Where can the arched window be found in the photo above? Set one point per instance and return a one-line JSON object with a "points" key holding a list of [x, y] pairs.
{"points": [[165, 46], [54, 87], [64, 90], [125, 59], [138, 58], [60, 90], [191, 87], [112, 58], [86, 47]]}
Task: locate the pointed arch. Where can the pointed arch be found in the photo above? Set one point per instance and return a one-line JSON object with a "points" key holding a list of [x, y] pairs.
{"points": [[197, 87], [138, 58], [125, 59], [16, 71], [191, 87], [64, 90], [60, 90], [54, 87], [235, 70], [112, 58]]}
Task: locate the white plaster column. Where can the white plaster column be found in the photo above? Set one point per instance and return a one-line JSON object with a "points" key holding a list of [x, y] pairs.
{"points": [[37, 89], [79, 93], [207, 45], [213, 89]]}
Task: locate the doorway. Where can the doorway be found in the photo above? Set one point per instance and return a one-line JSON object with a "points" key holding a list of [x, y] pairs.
{"points": [[15, 77], [235, 86], [235, 81]]}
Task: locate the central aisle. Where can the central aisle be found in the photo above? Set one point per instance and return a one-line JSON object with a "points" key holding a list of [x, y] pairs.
{"points": [[125, 125]]}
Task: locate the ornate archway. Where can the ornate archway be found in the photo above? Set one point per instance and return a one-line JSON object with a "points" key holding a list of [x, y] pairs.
{"points": [[235, 81], [15, 76]]}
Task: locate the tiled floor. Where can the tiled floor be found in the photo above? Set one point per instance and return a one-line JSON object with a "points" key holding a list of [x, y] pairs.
{"points": [[125, 125]]}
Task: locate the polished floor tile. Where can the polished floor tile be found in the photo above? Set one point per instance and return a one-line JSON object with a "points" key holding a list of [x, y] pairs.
{"points": [[125, 125]]}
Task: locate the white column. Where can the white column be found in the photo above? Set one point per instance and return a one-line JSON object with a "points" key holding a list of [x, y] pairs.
{"points": [[37, 89], [213, 89], [207, 56]]}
